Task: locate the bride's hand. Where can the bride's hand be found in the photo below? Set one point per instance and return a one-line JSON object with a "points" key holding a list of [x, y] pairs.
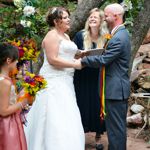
{"points": [[80, 54], [77, 64]]}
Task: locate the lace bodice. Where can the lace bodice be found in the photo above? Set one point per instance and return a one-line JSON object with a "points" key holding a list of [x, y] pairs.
{"points": [[67, 50], [12, 94]]}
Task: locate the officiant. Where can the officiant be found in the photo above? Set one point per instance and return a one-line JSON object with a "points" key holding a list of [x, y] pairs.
{"points": [[86, 81]]}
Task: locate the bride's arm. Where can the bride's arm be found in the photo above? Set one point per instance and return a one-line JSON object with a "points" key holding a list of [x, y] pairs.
{"points": [[51, 46]]}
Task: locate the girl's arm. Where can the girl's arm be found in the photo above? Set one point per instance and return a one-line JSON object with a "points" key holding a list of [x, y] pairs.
{"points": [[5, 107]]}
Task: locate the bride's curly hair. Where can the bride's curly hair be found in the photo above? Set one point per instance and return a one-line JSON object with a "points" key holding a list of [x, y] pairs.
{"points": [[55, 13]]}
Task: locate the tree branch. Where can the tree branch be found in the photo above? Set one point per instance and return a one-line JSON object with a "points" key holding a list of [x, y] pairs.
{"points": [[140, 28]]}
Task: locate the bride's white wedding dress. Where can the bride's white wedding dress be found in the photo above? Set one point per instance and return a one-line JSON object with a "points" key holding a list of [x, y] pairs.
{"points": [[54, 121]]}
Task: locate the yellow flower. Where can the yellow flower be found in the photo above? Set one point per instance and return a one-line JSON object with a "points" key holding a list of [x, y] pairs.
{"points": [[19, 43], [33, 83], [25, 49]]}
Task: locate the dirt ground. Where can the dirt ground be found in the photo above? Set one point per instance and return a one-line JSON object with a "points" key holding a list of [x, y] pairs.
{"points": [[132, 142]]}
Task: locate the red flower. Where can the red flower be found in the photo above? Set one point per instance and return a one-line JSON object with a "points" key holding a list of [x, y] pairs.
{"points": [[21, 52], [33, 84]]}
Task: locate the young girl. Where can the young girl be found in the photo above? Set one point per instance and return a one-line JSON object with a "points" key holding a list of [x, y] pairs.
{"points": [[11, 129]]}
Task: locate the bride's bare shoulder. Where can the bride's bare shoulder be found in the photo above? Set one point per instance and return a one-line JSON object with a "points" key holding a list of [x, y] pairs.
{"points": [[51, 37], [51, 34]]}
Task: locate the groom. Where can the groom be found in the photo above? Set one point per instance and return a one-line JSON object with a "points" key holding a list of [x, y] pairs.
{"points": [[116, 61]]}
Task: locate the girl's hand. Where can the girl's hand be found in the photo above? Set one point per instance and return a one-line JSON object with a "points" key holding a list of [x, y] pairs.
{"points": [[24, 102]]}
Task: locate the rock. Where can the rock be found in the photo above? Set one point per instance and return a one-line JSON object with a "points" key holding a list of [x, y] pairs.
{"points": [[136, 108], [146, 66], [147, 38], [146, 85], [140, 90], [147, 119], [148, 54], [140, 67], [137, 61], [136, 73], [144, 49], [135, 119], [144, 82]]}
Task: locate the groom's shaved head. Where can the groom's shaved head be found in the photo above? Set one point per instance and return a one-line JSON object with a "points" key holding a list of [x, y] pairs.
{"points": [[115, 9]]}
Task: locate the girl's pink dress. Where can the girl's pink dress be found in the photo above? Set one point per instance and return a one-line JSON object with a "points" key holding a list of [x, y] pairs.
{"points": [[11, 129]]}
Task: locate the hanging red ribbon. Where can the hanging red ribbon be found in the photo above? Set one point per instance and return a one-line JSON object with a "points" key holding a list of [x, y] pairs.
{"points": [[102, 77], [102, 93]]}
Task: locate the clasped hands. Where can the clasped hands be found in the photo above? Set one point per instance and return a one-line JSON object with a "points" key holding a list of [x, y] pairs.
{"points": [[82, 53], [78, 57]]}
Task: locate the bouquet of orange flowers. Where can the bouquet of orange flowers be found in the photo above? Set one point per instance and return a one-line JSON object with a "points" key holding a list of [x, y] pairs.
{"points": [[32, 84], [27, 48]]}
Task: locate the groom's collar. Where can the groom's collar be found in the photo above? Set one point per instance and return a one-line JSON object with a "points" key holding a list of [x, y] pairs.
{"points": [[115, 29]]}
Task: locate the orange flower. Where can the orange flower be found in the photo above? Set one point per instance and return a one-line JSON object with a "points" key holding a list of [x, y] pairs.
{"points": [[26, 96], [108, 36], [37, 78], [13, 73]]}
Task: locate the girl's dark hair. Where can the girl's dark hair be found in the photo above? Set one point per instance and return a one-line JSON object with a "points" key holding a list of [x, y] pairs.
{"points": [[55, 13], [8, 51]]}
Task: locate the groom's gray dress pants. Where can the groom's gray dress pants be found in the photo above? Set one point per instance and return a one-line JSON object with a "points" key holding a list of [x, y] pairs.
{"points": [[116, 113]]}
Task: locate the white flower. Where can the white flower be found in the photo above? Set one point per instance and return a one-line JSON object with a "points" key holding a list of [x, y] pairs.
{"points": [[127, 5], [19, 3], [28, 23], [25, 23], [28, 10]]}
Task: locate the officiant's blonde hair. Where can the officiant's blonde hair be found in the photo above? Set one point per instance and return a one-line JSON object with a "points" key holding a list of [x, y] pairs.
{"points": [[102, 31]]}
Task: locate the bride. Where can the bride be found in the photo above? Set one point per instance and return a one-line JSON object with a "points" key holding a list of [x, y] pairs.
{"points": [[54, 121]]}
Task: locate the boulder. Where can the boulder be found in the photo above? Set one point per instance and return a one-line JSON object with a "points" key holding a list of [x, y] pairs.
{"points": [[147, 38], [135, 119], [136, 108]]}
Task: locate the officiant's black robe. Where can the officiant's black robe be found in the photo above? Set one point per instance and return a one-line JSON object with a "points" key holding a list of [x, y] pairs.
{"points": [[86, 83]]}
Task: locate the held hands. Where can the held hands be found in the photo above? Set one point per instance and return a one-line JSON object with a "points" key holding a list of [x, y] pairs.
{"points": [[77, 64], [78, 57], [80, 54]]}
